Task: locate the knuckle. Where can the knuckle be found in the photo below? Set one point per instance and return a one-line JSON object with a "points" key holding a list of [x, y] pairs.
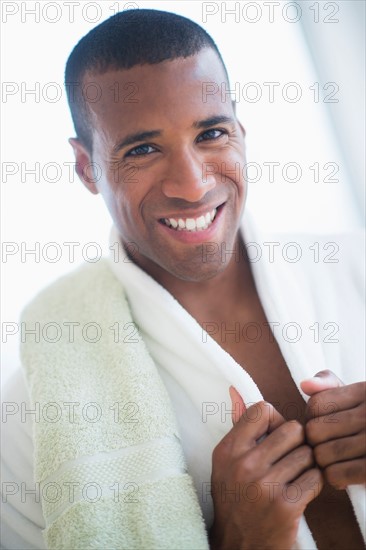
{"points": [[314, 482], [315, 479], [257, 412], [333, 476], [307, 453], [311, 431], [314, 404], [258, 408], [303, 455], [295, 429], [336, 448], [342, 474], [321, 455], [247, 469]]}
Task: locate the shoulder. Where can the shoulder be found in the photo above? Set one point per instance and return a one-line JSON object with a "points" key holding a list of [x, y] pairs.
{"points": [[85, 287]]}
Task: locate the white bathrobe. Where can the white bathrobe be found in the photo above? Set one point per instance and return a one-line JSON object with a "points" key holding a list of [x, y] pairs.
{"points": [[315, 307]]}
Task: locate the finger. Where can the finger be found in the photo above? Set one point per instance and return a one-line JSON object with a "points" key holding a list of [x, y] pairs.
{"points": [[342, 474], [276, 421], [292, 465], [308, 485], [335, 426], [340, 450], [256, 421], [336, 399], [265, 414], [238, 405], [323, 380], [282, 441]]}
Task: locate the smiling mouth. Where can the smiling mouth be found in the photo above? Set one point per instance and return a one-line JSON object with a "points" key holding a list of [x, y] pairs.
{"points": [[191, 224]]}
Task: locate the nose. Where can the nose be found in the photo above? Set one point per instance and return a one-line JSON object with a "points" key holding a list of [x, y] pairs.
{"points": [[186, 177]]}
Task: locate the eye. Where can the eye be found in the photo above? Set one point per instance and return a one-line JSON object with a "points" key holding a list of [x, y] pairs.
{"points": [[212, 134], [140, 151]]}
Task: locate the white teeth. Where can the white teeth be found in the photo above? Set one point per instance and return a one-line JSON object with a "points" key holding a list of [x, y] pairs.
{"points": [[191, 224], [200, 222]]}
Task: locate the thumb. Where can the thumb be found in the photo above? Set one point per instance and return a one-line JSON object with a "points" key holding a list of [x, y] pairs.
{"points": [[238, 405], [323, 380]]}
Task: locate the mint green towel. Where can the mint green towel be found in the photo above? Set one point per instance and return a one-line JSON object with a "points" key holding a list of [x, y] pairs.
{"points": [[108, 458]]}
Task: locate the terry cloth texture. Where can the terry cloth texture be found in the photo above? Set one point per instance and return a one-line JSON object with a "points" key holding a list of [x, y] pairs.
{"points": [[108, 458]]}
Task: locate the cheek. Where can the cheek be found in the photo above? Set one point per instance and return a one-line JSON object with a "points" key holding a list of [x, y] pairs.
{"points": [[233, 166], [125, 205]]}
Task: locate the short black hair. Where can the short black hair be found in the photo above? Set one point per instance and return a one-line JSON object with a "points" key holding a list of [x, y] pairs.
{"points": [[128, 38]]}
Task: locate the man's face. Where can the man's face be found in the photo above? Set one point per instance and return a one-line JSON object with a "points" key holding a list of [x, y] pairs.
{"points": [[171, 161]]}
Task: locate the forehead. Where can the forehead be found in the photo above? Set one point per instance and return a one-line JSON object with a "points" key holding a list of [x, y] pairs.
{"points": [[179, 91]]}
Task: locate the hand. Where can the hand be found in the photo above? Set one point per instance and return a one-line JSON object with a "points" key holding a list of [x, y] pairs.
{"points": [[336, 428], [261, 487]]}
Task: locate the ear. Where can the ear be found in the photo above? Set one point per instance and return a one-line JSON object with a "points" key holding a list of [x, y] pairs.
{"points": [[84, 165]]}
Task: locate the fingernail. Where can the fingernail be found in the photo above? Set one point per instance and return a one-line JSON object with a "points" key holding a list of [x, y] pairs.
{"points": [[322, 374]]}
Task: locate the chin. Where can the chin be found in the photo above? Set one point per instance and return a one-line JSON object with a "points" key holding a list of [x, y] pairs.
{"points": [[194, 273]]}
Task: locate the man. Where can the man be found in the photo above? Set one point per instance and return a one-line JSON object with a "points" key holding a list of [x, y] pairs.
{"points": [[163, 153]]}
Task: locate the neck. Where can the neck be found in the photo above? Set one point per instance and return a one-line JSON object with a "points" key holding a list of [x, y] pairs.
{"points": [[218, 297]]}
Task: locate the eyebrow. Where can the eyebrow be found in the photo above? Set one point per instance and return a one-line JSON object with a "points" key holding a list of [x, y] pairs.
{"points": [[212, 121], [146, 135]]}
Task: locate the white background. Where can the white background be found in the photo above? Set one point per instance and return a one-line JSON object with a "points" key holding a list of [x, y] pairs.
{"points": [[257, 49]]}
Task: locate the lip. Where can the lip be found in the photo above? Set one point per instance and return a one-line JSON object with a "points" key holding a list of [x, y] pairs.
{"points": [[195, 214], [191, 237]]}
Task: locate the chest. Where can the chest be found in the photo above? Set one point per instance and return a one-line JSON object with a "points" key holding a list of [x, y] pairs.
{"points": [[330, 516], [249, 339]]}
